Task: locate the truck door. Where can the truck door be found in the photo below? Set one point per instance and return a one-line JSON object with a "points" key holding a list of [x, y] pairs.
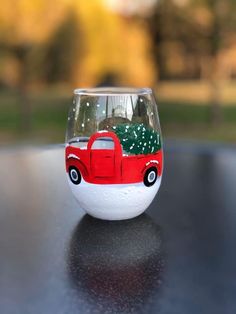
{"points": [[102, 157]]}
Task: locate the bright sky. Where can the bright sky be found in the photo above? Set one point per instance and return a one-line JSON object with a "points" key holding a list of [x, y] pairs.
{"points": [[130, 7]]}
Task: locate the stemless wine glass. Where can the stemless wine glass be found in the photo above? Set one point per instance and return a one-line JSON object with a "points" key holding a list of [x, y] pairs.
{"points": [[114, 156]]}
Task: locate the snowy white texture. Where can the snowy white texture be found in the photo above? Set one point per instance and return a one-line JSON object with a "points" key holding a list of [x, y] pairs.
{"points": [[103, 131], [152, 161], [114, 201], [72, 156]]}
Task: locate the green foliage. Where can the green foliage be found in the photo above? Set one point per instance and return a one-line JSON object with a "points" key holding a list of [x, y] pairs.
{"points": [[137, 138]]}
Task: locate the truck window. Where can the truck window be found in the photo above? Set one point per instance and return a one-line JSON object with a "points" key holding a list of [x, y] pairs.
{"points": [[103, 143], [80, 142]]}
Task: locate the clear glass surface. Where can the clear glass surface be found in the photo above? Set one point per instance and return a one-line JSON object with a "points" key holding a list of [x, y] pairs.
{"points": [[113, 142]]}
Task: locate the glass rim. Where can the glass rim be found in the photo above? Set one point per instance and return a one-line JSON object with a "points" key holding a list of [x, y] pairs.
{"points": [[112, 91]]}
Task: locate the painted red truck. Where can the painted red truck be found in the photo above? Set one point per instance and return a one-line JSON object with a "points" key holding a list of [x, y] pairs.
{"points": [[110, 165]]}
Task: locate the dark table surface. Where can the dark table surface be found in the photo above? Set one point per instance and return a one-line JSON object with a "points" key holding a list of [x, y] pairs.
{"points": [[179, 257]]}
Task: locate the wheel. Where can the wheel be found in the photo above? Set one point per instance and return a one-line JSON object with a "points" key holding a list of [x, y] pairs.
{"points": [[74, 175], [150, 176]]}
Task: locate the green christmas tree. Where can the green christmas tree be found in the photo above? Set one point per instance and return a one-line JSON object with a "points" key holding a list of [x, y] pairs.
{"points": [[137, 139]]}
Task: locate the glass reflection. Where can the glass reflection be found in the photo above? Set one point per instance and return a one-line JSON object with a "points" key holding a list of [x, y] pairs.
{"points": [[116, 264]]}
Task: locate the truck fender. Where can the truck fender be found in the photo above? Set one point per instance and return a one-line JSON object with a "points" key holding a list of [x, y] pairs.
{"points": [[149, 164], [73, 160]]}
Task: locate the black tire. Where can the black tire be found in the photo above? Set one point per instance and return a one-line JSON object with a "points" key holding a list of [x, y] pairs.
{"points": [[150, 176], [74, 175]]}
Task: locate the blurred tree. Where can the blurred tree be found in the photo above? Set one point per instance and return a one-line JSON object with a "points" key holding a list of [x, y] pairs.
{"points": [[218, 35], [86, 117], [116, 45], [63, 50], [104, 32], [171, 27], [204, 28], [162, 28], [23, 25], [20, 51]]}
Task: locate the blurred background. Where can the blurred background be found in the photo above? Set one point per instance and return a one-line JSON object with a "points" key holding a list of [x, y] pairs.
{"points": [[184, 49]]}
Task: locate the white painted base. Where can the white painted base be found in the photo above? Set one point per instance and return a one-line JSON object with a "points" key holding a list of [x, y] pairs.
{"points": [[114, 201]]}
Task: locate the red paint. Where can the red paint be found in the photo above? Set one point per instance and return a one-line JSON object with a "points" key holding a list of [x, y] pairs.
{"points": [[109, 166]]}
